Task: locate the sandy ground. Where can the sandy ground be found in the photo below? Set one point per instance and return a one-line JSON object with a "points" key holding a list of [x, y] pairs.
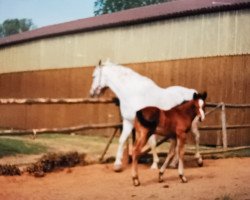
{"points": [[218, 179]]}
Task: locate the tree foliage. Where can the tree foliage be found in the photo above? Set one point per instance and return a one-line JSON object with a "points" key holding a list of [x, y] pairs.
{"points": [[14, 26], [110, 6]]}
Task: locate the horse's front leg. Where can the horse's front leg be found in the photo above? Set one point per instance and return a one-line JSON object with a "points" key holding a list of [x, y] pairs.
{"points": [[126, 130], [152, 143], [174, 162], [181, 150], [196, 133], [171, 154]]}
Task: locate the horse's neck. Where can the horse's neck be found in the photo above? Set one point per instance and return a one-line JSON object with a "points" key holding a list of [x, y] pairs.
{"points": [[189, 109], [123, 81], [114, 80]]}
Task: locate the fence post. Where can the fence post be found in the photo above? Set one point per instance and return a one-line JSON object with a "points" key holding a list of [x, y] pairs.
{"points": [[224, 126], [108, 144]]}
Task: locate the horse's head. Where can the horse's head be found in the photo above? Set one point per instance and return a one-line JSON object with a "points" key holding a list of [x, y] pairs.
{"points": [[199, 101], [99, 81]]}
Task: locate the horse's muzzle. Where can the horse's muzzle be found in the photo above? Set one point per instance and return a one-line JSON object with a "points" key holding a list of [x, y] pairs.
{"points": [[92, 95]]}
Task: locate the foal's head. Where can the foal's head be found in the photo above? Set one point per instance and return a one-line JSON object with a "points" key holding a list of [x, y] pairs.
{"points": [[199, 103]]}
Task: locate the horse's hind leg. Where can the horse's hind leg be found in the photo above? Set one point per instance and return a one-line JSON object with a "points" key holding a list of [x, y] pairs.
{"points": [[141, 138], [152, 143], [171, 154], [196, 133], [127, 128]]}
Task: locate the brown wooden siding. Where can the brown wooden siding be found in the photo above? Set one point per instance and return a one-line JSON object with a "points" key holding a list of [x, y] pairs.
{"points": [[225, 78]]}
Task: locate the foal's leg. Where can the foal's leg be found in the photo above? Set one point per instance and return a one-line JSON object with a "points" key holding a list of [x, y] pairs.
{"points": [[174, 162], [196, 133], [181, 150], [152, 143], [171, 153], [127, 128], [141, 139]]}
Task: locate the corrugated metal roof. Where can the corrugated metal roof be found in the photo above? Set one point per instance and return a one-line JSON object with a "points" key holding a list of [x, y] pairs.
{"points": [[129, 17]]}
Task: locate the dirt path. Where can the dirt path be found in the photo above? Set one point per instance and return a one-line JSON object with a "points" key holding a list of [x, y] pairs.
{"points": [[217, 180]]}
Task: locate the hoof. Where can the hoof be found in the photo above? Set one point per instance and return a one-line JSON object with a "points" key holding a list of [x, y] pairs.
{"points": [[136, 181], [154, 166], [117, 168], [160, 180], [39, 174], [200, 162], [183, 179]]}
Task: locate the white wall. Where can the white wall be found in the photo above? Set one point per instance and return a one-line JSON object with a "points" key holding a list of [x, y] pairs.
{"points": [[215, 34]]}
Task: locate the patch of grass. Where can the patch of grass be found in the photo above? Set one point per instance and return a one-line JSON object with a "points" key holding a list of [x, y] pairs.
{"points": [[89, 144], [52, 136], [15, 146], [88, 138]]}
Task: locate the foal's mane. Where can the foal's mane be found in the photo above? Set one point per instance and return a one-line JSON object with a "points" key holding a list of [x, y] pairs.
{"points": [[185, 105], [182, 104]]}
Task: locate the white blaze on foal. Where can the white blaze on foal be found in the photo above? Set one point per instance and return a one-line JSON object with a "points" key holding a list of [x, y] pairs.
{"points": [[201, 104]]}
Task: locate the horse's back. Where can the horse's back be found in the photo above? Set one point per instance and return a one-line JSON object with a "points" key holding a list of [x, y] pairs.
{"points": [[186, 93]]}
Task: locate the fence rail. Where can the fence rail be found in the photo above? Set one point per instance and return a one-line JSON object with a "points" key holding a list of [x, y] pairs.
{"points": [[55, 101], [228, 105], [91, 100], [67, 130]]}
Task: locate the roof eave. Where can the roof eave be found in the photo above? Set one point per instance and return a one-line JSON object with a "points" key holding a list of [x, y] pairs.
{"points": [[128, 17]]}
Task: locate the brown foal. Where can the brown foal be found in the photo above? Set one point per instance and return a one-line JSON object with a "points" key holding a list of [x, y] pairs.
{"points": [[173, 124]]}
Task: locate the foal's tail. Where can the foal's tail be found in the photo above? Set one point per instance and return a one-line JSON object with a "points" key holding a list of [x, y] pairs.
{"points": [[148, 117], [133, 135]]}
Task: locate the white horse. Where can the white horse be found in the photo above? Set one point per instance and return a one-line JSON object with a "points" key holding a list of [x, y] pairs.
{"points": [[136, 92]]}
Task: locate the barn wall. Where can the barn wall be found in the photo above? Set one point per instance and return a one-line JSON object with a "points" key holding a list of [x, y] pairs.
{"points": [[225, 33], [225, 78]]}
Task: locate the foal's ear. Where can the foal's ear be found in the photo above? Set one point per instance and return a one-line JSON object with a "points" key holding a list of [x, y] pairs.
{"points": [[204, 95], [195, 96]]}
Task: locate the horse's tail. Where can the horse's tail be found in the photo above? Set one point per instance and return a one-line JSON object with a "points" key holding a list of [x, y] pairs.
{"points": [[151, 120], [116, 101]]}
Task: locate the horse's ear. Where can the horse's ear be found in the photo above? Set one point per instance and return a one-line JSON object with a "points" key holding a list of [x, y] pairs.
{"points": [[108, 60], [100, 62], [204, 95], [195, 96]]}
